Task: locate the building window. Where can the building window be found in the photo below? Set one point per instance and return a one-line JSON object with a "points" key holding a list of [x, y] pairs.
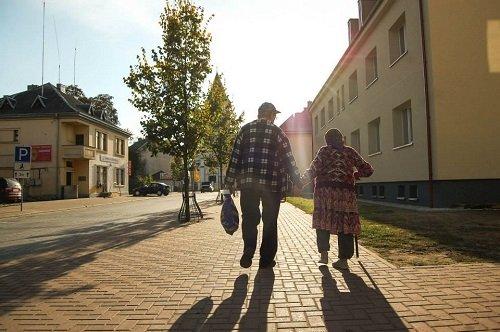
{"points": [[120, 146], [402, 125], [374, 136], [381, 191], [15, 136], [330, 109], [342, 94], [374, 191], [371, 67], [101, 141], [316, 129], [397, 40], [99, 176], [361, 190], [79, 139], [413, 193], [120, 176], [338, 101], [401, 192], [355, 140], [353, 86], [322, 115]]}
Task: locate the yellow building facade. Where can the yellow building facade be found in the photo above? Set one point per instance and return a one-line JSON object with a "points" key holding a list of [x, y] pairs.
{"points": [[76, 152], [416, 93]]}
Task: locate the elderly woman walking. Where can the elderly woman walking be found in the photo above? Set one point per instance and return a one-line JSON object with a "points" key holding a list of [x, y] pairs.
{"points": [[334, 171]]}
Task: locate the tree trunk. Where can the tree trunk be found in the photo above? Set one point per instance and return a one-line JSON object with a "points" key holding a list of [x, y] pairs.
{"points": [[220, 176], [186, 188]]}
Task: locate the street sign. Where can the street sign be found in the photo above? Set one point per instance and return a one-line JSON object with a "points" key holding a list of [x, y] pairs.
{"points": [[22, 166], [21, 174], [22, 154]]}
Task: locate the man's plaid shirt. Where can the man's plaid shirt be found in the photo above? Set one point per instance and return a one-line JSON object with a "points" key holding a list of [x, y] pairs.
{"points": [[261, 158]]}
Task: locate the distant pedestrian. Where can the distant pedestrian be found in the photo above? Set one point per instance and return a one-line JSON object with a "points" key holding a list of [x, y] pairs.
{"points": [[335, 204], [260, 164]]}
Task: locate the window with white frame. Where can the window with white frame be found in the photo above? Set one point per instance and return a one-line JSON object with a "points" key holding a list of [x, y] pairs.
{"points": [[371, 67], [397, 39], [374, 136], [353, 86], [101, 141], [322, 117], [402, 125], [355, 140], [330, 109], [120, 146], [120, 176]]}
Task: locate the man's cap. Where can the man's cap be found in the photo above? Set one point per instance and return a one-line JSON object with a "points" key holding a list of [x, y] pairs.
{"points": [[268, 107]]}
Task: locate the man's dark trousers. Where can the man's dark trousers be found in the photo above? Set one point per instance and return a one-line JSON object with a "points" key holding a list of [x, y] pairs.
{"points": [[250, 207]]}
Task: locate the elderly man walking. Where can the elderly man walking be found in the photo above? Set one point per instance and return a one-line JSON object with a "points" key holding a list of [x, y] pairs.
{"points": [[260, 164]]}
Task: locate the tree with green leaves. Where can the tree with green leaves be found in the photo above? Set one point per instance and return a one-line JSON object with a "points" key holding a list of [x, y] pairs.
{"points": [[101, 103], [222, 124], [167, 86]]}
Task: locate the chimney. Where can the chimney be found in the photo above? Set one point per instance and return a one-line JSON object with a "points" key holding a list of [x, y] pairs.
{"points": [[32, 87], [61, 87], [309, 103], [353, 27], [365, 8]]}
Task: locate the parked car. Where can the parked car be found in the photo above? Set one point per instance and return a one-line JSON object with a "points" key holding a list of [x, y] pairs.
{"points": [[156, 188], [207, 187], [10, 190]]}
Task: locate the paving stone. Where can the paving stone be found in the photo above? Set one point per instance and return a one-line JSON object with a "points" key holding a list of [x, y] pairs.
{"points": [[188, 277]]}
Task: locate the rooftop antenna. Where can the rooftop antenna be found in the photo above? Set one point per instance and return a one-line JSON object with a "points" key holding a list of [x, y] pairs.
{"points": [[74, 68], [58, 53], [43, 41]]}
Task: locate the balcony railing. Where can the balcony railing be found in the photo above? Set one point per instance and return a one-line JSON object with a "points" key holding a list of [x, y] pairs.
{"points": [[78, 152]]}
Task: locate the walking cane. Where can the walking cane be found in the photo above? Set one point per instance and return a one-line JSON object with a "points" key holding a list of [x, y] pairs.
{"points": [[356, 242]]}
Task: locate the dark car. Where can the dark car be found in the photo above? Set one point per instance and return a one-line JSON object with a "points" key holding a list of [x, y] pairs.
{"points": [[10, 190], [207, 187], [156, 188]]}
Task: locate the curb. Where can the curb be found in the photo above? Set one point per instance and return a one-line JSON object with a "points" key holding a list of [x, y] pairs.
{"points": [[22, 214]]}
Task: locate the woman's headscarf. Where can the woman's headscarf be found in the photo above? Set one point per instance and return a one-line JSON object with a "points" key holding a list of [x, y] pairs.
{"points": [[335, 138]]}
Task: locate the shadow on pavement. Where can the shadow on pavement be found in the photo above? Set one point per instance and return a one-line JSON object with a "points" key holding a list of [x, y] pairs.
{"points": [[256, 316], [25, 268], [359, 309], [225, 316]]}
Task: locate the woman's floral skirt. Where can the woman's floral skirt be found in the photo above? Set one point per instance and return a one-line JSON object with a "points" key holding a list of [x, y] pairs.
{"points": [[336, 210]]}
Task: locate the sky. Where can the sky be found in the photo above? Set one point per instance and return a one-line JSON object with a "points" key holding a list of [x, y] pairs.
{"points": [[281, 51]]}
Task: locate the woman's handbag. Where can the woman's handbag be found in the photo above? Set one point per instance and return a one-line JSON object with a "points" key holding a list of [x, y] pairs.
{"points": [[229, 216]]}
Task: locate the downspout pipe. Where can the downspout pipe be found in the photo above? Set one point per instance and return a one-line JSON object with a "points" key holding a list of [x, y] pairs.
{"points": [[427, 108], [58, 176]]}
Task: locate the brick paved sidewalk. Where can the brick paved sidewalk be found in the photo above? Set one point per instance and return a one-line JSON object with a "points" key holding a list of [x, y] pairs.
{"points": [[13, 210], [155, 275]]}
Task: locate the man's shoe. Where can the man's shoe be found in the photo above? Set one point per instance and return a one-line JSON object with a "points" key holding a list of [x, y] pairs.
{"points": [[341, 264], [267, 265], [324, 257], [245, 261]]}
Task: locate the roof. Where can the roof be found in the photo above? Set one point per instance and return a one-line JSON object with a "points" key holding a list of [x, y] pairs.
{"points": [[139, 145], [345, 57], [30, 103], [298, 123]]}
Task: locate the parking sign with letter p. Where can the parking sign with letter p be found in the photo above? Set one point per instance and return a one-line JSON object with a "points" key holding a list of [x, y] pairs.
{"points": [[22, 154]]}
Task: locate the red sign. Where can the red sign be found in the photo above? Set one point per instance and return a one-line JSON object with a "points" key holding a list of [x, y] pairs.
{"points": [[129, 168], [41, 152]]}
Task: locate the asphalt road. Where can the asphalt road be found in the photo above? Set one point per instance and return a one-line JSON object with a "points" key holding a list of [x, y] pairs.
{"points": [[19, 236]]}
